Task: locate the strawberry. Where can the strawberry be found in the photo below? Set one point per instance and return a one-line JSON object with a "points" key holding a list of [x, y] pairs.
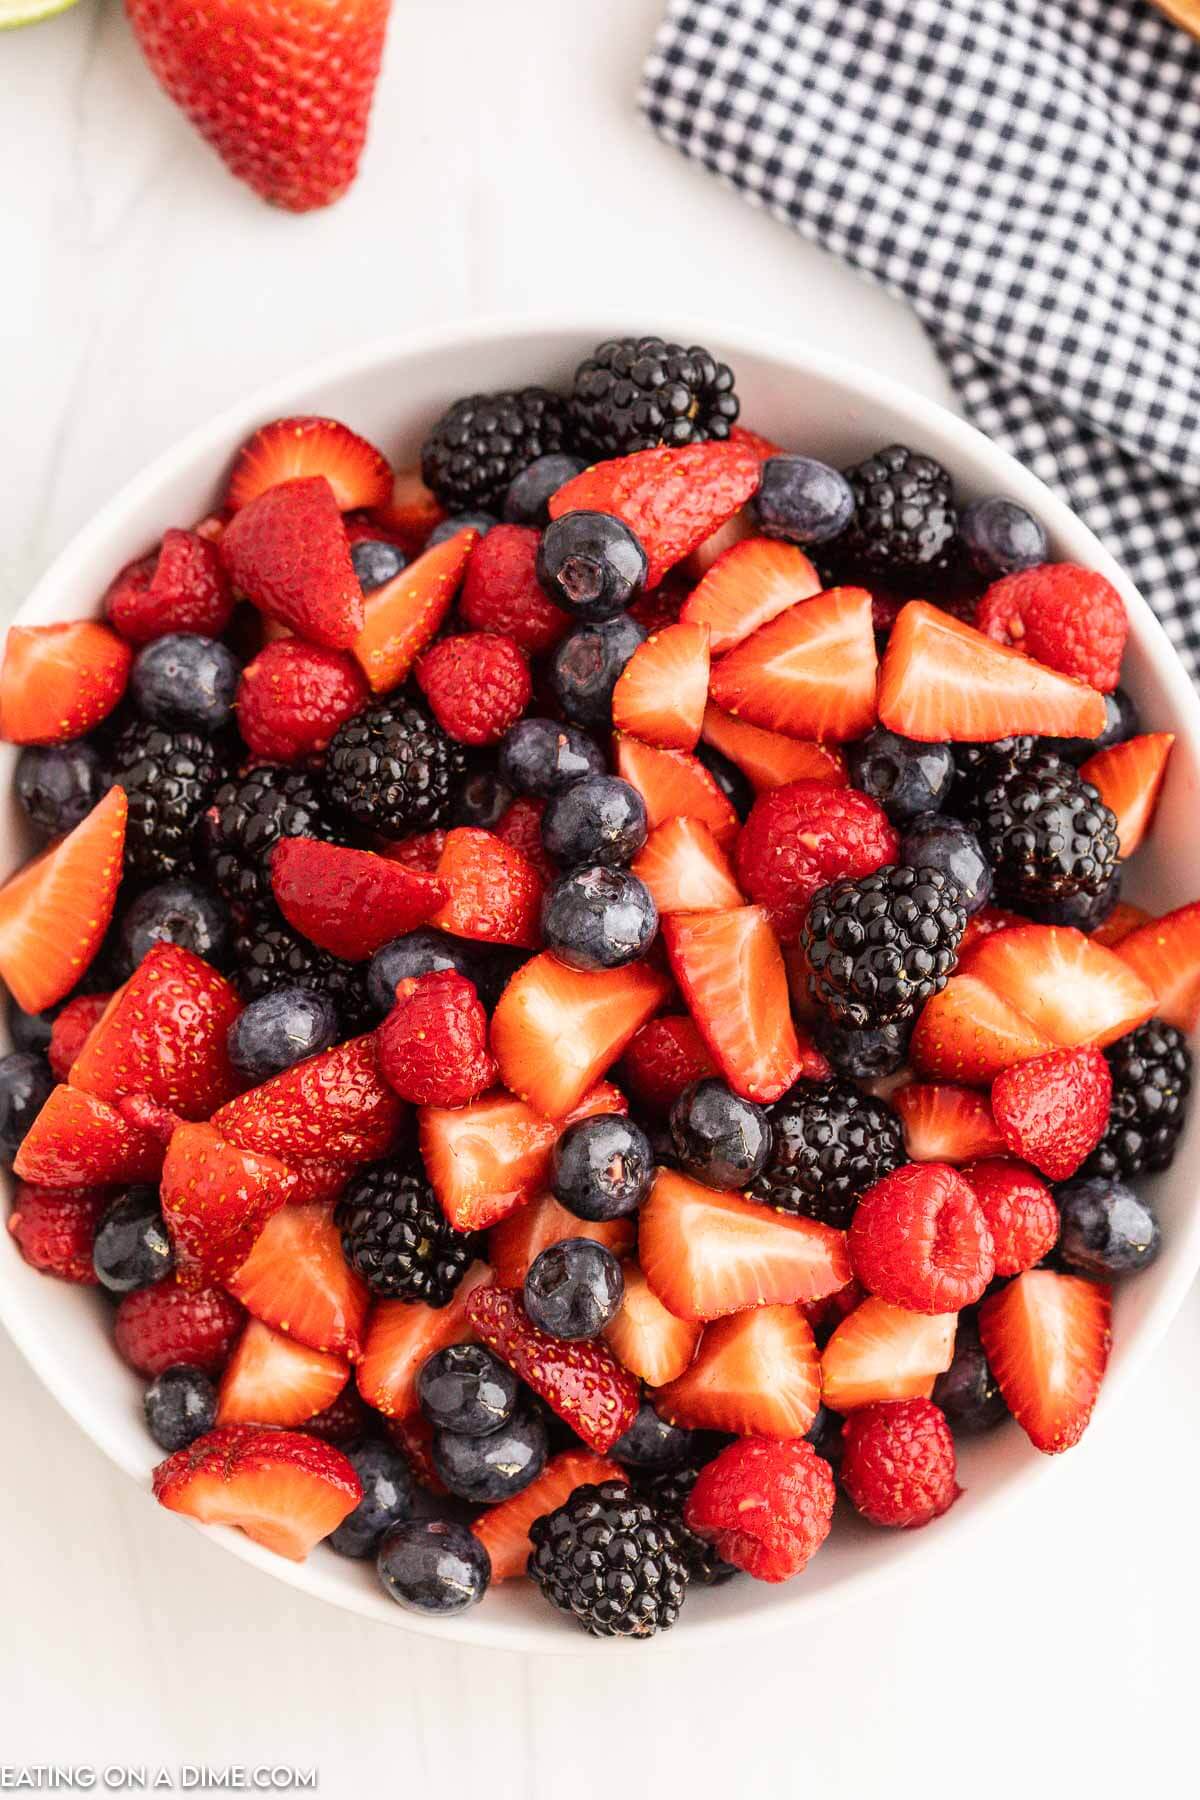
{"points": [[673, 784], [555, 1030], [1072, 989], [898, 1464], [645, 1338], [765, 1507], [216, 1200], [730, 970], [1121, 923], [706, 1254], [945, 1123], [293, 696], [666, 1056], [919, 1239], [985, 923], [501, 591], [1165, 955], [504, 1530], [296, 1280], [53, 1228], [71, 1029], [696, 566], [433, 1045], [671, 499], [798, 838], [349, 902], [968, 1033], [414, 1437], [757, 1372], [582, 1381], [1129, 778], [282, 99], [662, 691], [76, 1140], [333, 1106], [477, 685], [882, 1352], [181, 586], [287, 552], [1069, 618], [164, 1036], [157, 1327], [493, 893], [1046, 1337], [401, 1336], [944, 680], [517, 1241], [422, 851], [685, 869], [55, 911], [661, 607], [746, 587], [1019, 1209], [769, 759], [145, 1114], [285, 1490], [1053, 1111], [410, 511], [404, 615], [273, 1380], [289, 449], [810, 673], [59, 681]]}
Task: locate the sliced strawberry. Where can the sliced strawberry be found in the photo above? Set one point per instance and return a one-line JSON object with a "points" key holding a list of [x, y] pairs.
{"points": [[1053, 1111], [1121, 923], [985, 923], [59, 681], [1073, 990], [882, 1352], [287, 552], [731, 972], [296, 1280], [77, 1141], [493, 892], [1165, 954], [810, 673], [516, 1243], [55, 911], [284, 1489], [147, 1115], [216, 1200], [686, 870], [318, 1180], [349, 902], [289, 448], [410, 511], [757, 1374], [661, 692], [504, 1530], [769, 759], [403, 616], [645, 1338], [581, 1381], [401, 1336], [968, 1033], [1046, 1337], [747, 586], [706, 1253], [674, 784], [335, 1106], [273, 1380], [944, 1123], [414, 1436], [71, 1030], [943, 680], [1129, 778], [666, 1056], [422, 851], [556, 1030]]}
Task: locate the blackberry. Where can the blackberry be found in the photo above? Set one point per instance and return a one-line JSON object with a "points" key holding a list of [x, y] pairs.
{"points": [[979, 766], [482, 442], [668, 1492], [634, 392], [248, 817], [904, 524], [1152, 1078], [395, 1234], [1047, 833], [611, 1559], [169, 777], [268, 954], [392, 769], [879, 947], [831, 1143]]}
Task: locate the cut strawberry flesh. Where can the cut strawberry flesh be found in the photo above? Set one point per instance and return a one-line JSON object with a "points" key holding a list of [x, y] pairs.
{"points": [[59, 681], [968, 1033], [1046, 1337], [946, 1123], [686, 870], [284, 1489], [768, 759], [746, 587], [645, 1338], [518, 1240], [731, 971], [272, 1380], [675, 784], [1072, 991], [882, 1352], [401, 1335], [662, 691], [504, 1530], [1165, 954], [55, 911], [403, 616], [1129, 778], [297, 1280], [757, 1373], [810, 673], [288, 448]]}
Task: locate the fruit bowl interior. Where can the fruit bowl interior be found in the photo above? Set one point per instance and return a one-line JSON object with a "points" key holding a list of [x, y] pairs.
{"points": [[393, 392]]}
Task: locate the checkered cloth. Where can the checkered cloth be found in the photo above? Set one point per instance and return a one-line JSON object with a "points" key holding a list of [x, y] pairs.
{"points": [[1026, 173]]}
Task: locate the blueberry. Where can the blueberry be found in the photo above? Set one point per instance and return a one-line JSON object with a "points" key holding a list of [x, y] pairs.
{"points": [[591, 564], [825, 1435], [478, 521], [1084, 911], [539, 756], [933, 841], [31, 1031], [968, 1393], [906, 778], [58, 784], [1001, 537], [1122, 721], [802, 500], [376, 562], [719, 1138], [598, 918], [131, 1247], [650, 1443], [279, 1029], [488, 1469], [1107, 1229], [866, 1052], [528, 498], [387, 1498], [737, 788], [183, 679], [585, 667], [602, 1167], [600, 819], [433, 1566], [482, 800], [180, 1406], [574, 1288], [25, 1083], [467, 1389], [421, 952], [176, 912]]}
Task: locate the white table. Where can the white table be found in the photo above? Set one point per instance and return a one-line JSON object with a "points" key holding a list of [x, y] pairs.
{"points": [[144, 289]]}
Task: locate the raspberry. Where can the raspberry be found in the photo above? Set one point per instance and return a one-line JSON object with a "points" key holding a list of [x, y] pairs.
{"points": [[521, 826], [293, 697], [766, 1506], [181, 587], [344, 1421], [477, 685], [659, 608], [500, 591], [919, 1240], [666, 1056], [804, 835], [898, 1464], [165, 1324], [1019, 1209], [1069, 618], [53, 1228], [71, 1028], [1053, 1111], [433, 1045], [422, 852]]}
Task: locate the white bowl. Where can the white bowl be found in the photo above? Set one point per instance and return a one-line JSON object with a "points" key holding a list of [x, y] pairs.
{"points": [[392, 392]]}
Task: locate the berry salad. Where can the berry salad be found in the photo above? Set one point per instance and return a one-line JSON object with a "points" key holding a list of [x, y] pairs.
{"points": [[576, 1000]]}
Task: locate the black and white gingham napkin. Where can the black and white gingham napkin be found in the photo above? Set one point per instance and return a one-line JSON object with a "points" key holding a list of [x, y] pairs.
{"points": [[1026, 173]]}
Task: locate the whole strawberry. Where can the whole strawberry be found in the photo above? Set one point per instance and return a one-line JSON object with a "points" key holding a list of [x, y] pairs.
{"points": [[433, 1045]]}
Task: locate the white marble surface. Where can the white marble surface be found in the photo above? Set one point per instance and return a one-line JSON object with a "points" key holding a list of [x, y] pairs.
{"points": [[143, 289]]}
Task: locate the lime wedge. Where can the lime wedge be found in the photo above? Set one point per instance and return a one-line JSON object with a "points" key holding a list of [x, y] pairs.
{"points": [[29, 12]]}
